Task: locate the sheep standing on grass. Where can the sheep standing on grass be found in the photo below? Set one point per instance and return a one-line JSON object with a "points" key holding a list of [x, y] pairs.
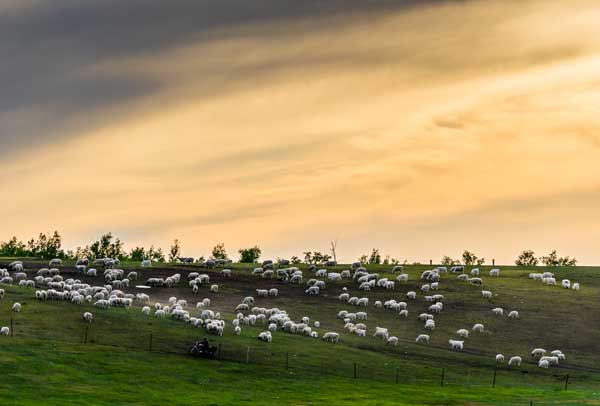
{"points": [[479, 328], [498, 311], [463, 333], [486, 294], [393, 340], [87, 316], [146, 310], [5, 331], [575, 286], [214, 288], [500, 359], [16, 307], [515, 361], [456, 345], [1, 293], [538, 352], [422, 339], [513, 314], [331, 337]]}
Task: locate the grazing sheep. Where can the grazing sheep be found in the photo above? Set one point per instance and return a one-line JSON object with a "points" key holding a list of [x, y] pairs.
{"points": [[549, 281], [272, 327], [566, 284], [498, 311], [495, 272], [402, 278], [475, 272], [265, 336], [146, 310], [425, 288], [463, 333], [161, 314], [273, 292], [363, 301], [500, 359], [538, 352], [312, 291], [5, 331], [16, 307], [87, 316], [575, 286], [513, 314], [393, 340], [544, 364], [422, 339], [214, 288], [381, 332], [317, 324], [425, 316], [463, 277], [479, 328], [429, 324], [226, 273], [514, 361], [456, 345], [486, 294], [403, 313], [237, 330], [411, 295], [1, 293], [332, 337], [146, 263]]}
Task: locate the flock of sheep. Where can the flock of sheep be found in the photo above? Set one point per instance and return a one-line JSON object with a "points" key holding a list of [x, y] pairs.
{"points": [[52, 286]]}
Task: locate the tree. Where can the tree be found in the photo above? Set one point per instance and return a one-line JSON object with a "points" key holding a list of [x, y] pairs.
{"points": [[363, 259], [469, 258], [375, 257], [447, 261], [137, 254], [307, 257], [105, 247], [526, 258], [218, 252], [553, 259], [250, 255], [332, 248], [295, 260], [155, 255], [174, 251]]}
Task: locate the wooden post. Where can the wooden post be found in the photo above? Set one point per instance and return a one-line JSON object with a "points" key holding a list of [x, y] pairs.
{"points": [[443, 373], [287, 361], [566, 381], [86, 334], [431, 262], [150, 346], [12, 330], [247, 355], [493, 262], [355, 370], [494, 382], [397, 374], [219, 352]]}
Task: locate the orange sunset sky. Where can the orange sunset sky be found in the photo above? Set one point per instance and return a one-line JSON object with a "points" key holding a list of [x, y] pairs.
{"points": [[422, 128]]}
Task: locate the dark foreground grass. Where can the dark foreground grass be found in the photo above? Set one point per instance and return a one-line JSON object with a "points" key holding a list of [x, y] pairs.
{"points": [[37, 372]]}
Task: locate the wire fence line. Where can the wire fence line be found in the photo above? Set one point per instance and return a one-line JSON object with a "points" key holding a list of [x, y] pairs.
{"points": [[393, 372]]}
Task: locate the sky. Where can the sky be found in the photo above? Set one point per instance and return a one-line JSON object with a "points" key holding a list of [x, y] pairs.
{"points": [[421, 128]]}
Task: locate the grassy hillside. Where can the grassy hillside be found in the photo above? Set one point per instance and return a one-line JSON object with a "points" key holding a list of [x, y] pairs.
{"points": [[46, 357]]}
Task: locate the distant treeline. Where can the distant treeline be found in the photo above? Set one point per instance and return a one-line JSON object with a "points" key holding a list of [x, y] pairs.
{"points": [[48, 246]]}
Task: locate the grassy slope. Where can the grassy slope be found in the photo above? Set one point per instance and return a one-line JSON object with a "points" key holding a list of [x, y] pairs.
{"points": [[41, 366]]}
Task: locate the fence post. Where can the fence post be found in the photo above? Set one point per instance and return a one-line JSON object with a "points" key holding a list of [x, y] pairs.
{"points": [[443, 372], [355, 366], [85, 335], [287, 361], [431, 262], [494, 382], [493, 262], [150, 346], [12, 330], [247, 355], [397, 374], [219, 352], [566, 381]]}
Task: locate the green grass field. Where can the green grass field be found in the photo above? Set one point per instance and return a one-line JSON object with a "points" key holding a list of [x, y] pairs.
{"points": [[46, 360]]}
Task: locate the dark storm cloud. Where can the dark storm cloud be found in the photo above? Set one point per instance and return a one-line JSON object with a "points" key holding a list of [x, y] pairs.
{"points": [[46, 45]]}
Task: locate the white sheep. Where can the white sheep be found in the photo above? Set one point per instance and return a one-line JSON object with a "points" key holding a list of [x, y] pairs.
{"points": [[575, 286], [332, 337], [1, 293], [513, 314], [544, 364], [161, 314], [381, 332], [4, 331], [498, 311], [456, 345], [146, 310], [475, 272], [317, 324], [500, 358], [538, 352], [429, 324], [87, 316], [422, 339], [514, 361], [214, 288], [495, 272], [16, 307], [566, 284], [265, 336], [486, 294], [273, 292], [393, 340], [463, 333], [403, 313], [411, 295], [479, 328]]}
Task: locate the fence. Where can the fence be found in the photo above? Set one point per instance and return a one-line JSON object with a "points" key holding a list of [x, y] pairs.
{"points": [[394, 372]]}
